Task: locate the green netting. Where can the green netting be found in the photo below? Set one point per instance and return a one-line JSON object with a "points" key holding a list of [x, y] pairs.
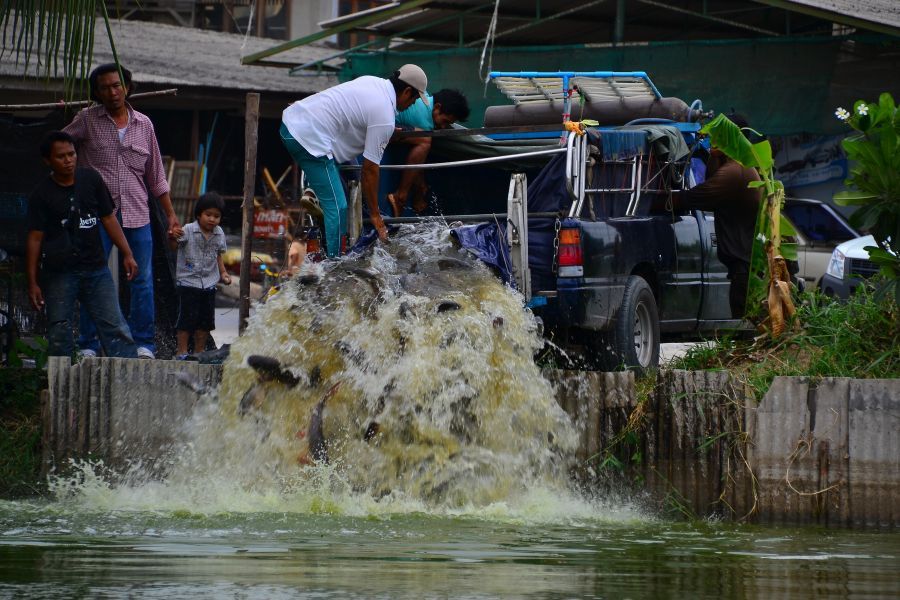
{"points": [[781, 84]]}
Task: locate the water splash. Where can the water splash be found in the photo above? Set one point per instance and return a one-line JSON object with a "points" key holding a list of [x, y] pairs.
{"points": [[411, 366]]}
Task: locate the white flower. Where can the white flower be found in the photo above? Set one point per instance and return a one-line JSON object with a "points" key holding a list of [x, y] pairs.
{"points": [[862, 109], [842, 114]]}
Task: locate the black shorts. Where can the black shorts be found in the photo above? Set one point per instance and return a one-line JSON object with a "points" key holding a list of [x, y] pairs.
{"points": [[196, 309]]}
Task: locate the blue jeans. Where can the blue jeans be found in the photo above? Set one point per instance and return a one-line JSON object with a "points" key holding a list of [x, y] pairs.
{"points": [[142, 314], [324, 178], [97, 294]]}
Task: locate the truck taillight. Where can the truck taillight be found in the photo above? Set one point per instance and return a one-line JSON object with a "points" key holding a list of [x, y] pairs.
{"points": [[570, 248], [570, 257]]}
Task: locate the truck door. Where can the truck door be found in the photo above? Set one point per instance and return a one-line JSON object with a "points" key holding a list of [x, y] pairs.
{"points": [[715, 306], [682, 295]]}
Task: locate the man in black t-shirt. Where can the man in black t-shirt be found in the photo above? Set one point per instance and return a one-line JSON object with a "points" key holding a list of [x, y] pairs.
{"points": [[65, 212]]}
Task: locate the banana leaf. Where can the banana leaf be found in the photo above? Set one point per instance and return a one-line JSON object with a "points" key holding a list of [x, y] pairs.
{"points": [[57, 35], [770, 225]]}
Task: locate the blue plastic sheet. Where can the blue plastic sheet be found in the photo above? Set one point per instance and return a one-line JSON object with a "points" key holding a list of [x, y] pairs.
{"points": [[546, 194], [487, 241]]}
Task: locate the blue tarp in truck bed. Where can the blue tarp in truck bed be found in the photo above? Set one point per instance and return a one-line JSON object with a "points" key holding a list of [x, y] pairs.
{"points": [[546, 193]]}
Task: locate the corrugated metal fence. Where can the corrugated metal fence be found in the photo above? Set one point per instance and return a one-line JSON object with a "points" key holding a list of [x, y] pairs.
{"points": [[117, 410], [825, 451]]}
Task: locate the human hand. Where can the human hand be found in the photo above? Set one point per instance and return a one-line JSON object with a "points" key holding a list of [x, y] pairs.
{"points": [[35, 296], [382, 233], [175, 230], [131, 267], [225, 278]]}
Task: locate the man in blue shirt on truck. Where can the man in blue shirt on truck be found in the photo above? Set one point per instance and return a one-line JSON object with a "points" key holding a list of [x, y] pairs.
{"points": [[443, 110]]}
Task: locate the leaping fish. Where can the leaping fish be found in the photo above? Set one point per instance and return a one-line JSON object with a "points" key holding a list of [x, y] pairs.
{"points": [[317, 445], [270, 369]]}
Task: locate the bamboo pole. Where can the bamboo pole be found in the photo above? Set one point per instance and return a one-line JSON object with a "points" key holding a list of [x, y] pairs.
{"points": [[267, 177], [63, 104], [251, 130]]}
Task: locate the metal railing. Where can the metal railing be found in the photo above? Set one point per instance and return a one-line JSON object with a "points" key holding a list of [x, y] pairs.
{"points": [[462, 163]]}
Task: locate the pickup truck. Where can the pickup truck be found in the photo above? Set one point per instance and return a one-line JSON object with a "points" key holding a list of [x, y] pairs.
{"points": [[609, 270]]}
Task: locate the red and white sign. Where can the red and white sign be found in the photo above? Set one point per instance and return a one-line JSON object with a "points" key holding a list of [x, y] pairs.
{"points": [[269, 224]]}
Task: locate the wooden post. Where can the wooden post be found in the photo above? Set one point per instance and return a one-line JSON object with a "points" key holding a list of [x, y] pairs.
{"points": [[260, 19], [195, 137], [251, 128], [227, 21]]}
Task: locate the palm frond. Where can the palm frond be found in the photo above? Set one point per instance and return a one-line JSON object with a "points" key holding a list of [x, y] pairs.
{"points": [[53, 38]]}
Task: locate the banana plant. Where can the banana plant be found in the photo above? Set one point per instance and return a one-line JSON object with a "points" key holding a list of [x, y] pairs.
{"points": [[768, 289], [58, 35]]}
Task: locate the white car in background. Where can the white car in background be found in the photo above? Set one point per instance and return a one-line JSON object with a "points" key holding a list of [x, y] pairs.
{"points": [[820, 228], [849, 267]]}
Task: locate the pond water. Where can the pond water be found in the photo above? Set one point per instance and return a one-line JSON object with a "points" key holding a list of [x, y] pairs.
{"points": [[57, 550], [393, 438]]}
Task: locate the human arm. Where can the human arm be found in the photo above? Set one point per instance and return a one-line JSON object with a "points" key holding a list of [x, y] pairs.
{"points": [[398, 130], [724, 181], [32, 252], [224, 277], [370, 173], [296, 255], [114, 231], [175, 230], [706, 196], [157, 183], [77, 128]]}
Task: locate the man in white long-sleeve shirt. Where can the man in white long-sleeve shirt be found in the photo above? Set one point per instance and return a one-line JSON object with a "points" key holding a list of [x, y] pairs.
{"points": [[337, 125]]}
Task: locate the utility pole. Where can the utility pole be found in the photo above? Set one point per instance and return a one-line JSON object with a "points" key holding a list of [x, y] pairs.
{"points": [[251, 131]]}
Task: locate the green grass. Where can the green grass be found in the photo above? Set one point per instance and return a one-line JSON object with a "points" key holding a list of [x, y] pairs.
{"points": [[20, 431], [859, 338]]}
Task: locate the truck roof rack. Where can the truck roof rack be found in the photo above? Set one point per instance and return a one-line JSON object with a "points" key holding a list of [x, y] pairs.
{"points": [[545, 86]]}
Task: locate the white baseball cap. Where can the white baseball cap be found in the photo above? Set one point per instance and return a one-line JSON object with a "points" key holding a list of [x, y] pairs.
{"points": [[414, 76]]}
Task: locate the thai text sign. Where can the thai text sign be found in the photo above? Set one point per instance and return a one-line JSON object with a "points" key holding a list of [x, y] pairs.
{"points": [[269, 224]]}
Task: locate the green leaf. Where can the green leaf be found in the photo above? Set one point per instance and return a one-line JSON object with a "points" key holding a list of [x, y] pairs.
{"points": [[886, 103], [726, 136], [879, 255], [763, 153], [865, 218], [850, 197], [787, 228], [757, 284], [590, 122], [756, 184], [789, 250]]}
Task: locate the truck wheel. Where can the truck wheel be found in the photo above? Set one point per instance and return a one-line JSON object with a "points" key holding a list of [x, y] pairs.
{"points": [[635, 336]]}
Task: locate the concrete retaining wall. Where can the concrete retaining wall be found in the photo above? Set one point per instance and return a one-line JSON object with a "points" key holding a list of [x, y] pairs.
{"points": [[824, 452]]}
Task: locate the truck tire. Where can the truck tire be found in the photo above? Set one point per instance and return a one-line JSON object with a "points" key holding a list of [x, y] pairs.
{"points": [[634, 339]]}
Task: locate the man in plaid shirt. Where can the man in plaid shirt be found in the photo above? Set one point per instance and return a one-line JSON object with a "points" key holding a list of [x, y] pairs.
{"points": [[120, 143]]}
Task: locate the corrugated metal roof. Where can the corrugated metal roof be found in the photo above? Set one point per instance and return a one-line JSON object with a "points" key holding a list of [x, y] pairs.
{"points": [[878, 15], [427, 24], [185, 57]]}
